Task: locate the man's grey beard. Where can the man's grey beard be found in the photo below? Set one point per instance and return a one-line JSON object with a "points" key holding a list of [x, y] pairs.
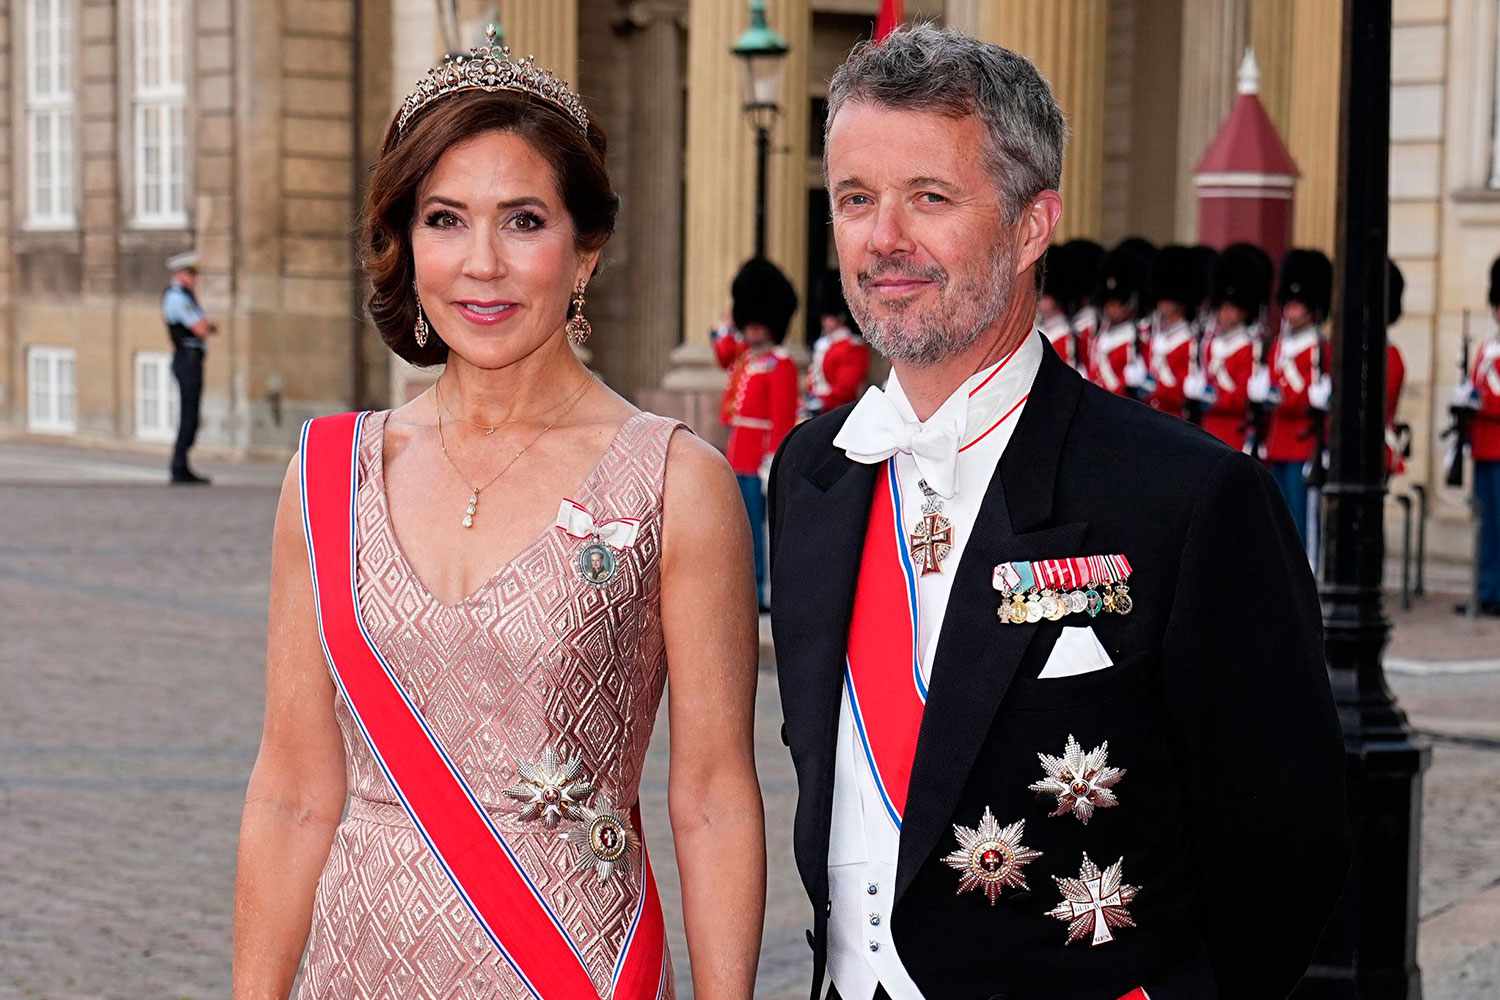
{"points": [[963, 311]]}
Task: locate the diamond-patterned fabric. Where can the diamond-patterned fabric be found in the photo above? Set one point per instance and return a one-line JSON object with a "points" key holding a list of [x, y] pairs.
{"points": [[534, 658]]}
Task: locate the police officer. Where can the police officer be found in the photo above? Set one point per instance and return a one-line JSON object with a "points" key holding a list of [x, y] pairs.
{"points": [[189, 328]]}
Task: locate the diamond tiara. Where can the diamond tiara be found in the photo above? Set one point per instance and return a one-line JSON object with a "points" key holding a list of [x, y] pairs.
{"points": [[490, 67]]}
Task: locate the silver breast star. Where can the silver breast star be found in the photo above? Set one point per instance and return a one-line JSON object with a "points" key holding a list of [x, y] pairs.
{"points": [[1081, 781], [549, 789], [603, 838]]}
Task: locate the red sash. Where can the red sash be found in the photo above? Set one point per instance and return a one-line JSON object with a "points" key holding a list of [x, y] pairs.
{"points": [[883, 671], [482, 866]]}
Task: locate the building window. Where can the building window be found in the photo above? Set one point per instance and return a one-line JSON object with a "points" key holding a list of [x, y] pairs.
{"points": [[156, 397], [160, 114], [49, 113], [52, 395]]}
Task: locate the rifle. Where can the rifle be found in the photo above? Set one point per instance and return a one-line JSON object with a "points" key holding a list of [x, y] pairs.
{"points": [[1193, 409], [1461, 413], [1257, 425]]}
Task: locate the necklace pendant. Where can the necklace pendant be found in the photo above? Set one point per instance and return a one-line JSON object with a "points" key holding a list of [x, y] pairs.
{"points": [[473, 506]]}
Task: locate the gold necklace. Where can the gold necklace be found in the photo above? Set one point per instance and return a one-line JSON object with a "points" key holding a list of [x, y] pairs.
{"points": [[474, 491]]}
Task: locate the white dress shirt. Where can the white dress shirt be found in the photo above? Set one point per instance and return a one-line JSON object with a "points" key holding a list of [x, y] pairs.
{"points": [[864, 840]]}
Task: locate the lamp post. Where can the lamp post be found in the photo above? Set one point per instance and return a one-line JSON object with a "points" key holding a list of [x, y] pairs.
{"points": [[763, 52], [1368, 951]]}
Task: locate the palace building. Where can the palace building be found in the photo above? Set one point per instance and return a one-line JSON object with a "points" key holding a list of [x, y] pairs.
{"points": [[131, 130]]}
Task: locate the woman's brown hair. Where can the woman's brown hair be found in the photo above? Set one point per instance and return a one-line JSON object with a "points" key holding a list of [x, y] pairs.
{"points": [[408, 157]]}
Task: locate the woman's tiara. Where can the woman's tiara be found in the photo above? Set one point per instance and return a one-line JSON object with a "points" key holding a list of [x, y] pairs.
{"points": [[490, 67]]}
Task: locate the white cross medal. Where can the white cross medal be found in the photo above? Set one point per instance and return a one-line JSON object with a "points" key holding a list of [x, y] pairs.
{"points": [[932, 539], [1095, 902]]}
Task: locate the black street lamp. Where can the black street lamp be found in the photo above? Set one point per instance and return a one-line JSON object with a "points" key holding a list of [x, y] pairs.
{"points": [[764, 54], [1369, 951]]}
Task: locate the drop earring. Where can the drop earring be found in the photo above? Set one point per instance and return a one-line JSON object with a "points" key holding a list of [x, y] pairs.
{"points": [[422, 329], [578, 327]]}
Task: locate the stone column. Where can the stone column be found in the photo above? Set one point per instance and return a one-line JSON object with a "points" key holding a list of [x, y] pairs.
{"points": [[653, 210], [721, 175], [546, 29], [1214, 35], [1065, 38], [1313, 129], [1271, 36]]}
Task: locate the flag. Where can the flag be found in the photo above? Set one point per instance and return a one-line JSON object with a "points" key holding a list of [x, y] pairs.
{"points": [[892, 13]]}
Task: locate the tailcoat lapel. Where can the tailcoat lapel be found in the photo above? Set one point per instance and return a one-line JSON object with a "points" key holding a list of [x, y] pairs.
{"points": [[815, 568], [977, 656]]}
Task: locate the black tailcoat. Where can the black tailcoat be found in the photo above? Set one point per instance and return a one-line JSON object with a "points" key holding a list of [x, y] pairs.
{"points": [[1232, 814]]}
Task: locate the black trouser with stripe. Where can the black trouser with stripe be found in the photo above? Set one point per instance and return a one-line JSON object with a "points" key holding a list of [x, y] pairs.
{"points": [[187, 368]]}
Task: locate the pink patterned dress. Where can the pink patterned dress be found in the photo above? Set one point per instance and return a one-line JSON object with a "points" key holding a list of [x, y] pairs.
{"points": [[536, 659]]}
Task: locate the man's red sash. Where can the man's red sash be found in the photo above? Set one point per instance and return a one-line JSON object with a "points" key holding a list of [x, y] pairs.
{"points": [[887, 693], [464, 840]]}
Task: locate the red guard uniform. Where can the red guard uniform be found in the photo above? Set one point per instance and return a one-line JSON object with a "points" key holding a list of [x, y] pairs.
{"points": [[1112, 349], [1484, 437], [1169, 353], [1085, 326], [1059, 333], [760, 402], [1296, 363], [1395, 377], [1228, 360], [840, 363]]}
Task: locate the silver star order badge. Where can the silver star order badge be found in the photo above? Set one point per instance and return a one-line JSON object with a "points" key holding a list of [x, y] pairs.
{"points": [[990, 857], [549, 789], [1081, 781], [1095, 902], [603, 838]]}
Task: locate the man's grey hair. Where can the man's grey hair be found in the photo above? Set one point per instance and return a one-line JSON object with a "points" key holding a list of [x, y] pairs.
{"points": [[926, 68]]}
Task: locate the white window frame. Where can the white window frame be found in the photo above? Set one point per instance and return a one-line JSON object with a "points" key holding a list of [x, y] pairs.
{"points": [[52, 390], [159, 113], [157, 400], [51, 196]]}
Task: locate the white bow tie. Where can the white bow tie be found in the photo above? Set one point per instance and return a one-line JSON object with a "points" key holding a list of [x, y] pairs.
{"points": [[876, 430]]}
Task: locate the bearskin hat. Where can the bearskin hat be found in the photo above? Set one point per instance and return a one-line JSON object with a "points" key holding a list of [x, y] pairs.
{"points": [[1306, 277], [1176, 277], [1495, 284], [1242, 278], [1123, 274], [1395, 288], [762, 294], [1084, 258]]}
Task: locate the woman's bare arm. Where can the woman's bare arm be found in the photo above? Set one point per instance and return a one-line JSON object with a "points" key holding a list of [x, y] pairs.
{"points": [[711, 628], [296, 792]]}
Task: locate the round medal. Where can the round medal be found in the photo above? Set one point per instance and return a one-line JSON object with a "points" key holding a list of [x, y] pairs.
{"points": [[1054, 607], [597, 564], [1078, 603], [1018, 611], [1123, 603], [1034, 608]]}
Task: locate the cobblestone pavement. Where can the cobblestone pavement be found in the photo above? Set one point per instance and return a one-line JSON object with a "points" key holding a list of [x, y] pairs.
{"points": [[132, 617]]}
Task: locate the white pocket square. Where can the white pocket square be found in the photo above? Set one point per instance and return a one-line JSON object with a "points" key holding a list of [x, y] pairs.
{"points": [[1078, 651]]}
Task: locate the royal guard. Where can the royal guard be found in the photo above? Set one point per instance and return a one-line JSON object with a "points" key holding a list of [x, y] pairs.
{"points": [[1395, 373], [1052, 317], [1484, 446], [840, 357], [1114, 352], [1239, 291], [1173, 335], [1299, 381], [760, 401], [1084, 260]]}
